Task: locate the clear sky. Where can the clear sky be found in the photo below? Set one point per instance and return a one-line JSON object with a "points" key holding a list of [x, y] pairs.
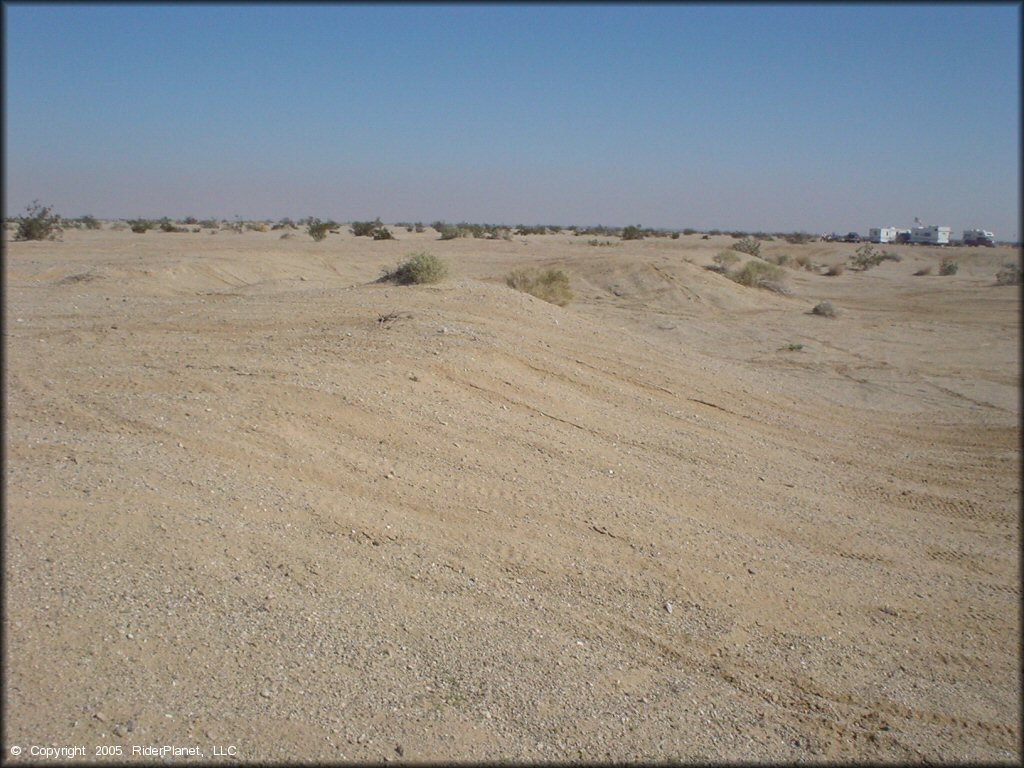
{"points": [[756, 117]]}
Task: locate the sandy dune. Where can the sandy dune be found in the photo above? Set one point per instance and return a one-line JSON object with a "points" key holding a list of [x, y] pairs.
{"points": [[254, 498]]}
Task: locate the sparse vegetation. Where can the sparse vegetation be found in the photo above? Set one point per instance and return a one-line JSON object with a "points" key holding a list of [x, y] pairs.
{"points": [[550, 285], [139, 226], [317, 229], [1009, 275], [382, 233], [948, 267], [724, 261], [824, 308], [759, 274], [39, 222], [88, 222], [365, 228], [835, 270], [803, 261], [794, 347], [866, 258], [923, 272], [749, 246], [418, 269], [632, 233], [166, 225]]}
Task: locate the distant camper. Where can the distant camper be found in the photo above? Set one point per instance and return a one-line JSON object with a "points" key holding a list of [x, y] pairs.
{"points": [[930, 235], [979, 237], [882, 234]]}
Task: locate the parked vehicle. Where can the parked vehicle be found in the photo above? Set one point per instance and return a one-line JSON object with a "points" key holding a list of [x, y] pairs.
{"points": [[852, 237], [979, 237]]}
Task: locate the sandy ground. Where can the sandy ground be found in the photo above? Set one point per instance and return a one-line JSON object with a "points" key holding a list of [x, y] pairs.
{"points": [[255, 500]]}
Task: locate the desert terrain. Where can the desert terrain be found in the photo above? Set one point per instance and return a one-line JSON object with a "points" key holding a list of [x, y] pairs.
{"points": [[256, 499]]}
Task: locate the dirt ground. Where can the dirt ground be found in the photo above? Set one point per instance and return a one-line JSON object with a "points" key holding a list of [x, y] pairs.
{"points": [[257, 501]]}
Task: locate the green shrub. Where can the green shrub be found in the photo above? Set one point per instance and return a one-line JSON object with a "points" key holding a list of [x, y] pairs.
{"points": [[38, 223], [317, 229], [89, 222], [749, 246], [825, 309], [365, 228], [210, 224], [139, 226], [632, 233], [382, 233], [948, 267], [551, 285], [1009, 275], [757, 274], [689, 231], [418, 269], [866, 258], [166, 225], [190, 220]]}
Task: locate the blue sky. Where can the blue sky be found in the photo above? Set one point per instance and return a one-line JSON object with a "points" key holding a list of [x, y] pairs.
{"points": [[756, 117]]}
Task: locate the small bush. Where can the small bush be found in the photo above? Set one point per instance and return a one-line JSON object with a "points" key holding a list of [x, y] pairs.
{"points": [[190, 220], [89, 222], [725, 260], [382, 233], [835, 270], [749, 246], [674, 235], [166, 225], [689, 231], [139, 226], [866, 258], [948, 267], [923, 272], [825, 309], [1008, 275], [798, 238], [257, 226], [365, 228], [38, 223], [420, 268], [210, 224], [551, 285], [318, 229], [632, 233], [803, 261], [758, 274]]}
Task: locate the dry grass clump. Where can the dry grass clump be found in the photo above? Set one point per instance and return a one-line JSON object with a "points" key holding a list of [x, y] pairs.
{"points": [[724, 261], [749, 246], [923, 272], [825, 309], [835, 270], [948, 267], [759, 274], [1009, 275], [550, 285], [803, 261], [418, 269]]}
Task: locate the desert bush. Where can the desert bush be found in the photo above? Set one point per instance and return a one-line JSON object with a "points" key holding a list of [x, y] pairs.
{"points": [[866, 258], [550, 285], [39, 222], [797, 238], [923, 272], [418, 269], [674, 235], [725, 260], [890, 256], [139, 226], [948, 267], [803, 261], [166, 225], [749, 246], [190, 220], [757, 274], [835, 270], [365, 228], [689, 231], [782, 259], [1009, 275], [382, 233], [257, 226], [418, 226], [632, 233], [89, 222], [210, 224], [318, 229], [825, 309]]}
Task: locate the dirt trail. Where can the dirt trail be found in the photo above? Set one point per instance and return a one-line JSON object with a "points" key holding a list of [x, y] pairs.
{"points": [[254, 498]]}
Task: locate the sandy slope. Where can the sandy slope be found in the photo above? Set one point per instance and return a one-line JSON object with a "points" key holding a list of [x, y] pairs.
{"points": [[255, 499]]}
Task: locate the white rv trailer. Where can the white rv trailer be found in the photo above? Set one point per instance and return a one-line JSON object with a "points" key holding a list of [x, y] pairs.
{"points": [[930, 235], [979, 237], [882, 235]]}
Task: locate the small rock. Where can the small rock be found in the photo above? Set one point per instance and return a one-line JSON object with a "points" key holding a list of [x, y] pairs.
{"points": [[399, 751], [668, 607], [100, 716], [265, 693], [118, 731]]}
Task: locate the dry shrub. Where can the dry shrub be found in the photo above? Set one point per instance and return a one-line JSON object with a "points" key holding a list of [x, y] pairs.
{"points": [[759, 274], [420, 268], [825, 309], [835, 270], [923, 271], [1009, 275], [803, 261], [948, 267], [551, 285]]}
